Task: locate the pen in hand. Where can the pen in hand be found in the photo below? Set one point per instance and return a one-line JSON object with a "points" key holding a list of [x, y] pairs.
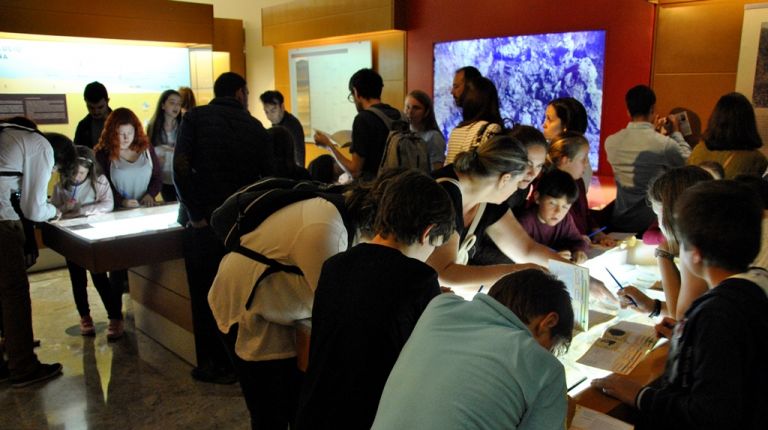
{"points": [[594, 233], [621, 287]]}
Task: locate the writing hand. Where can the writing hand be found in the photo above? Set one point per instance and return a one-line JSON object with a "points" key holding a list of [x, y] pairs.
{"points": [[643, 303]]}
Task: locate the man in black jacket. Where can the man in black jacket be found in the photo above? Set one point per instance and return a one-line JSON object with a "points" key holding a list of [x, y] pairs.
{"points": [[89, 128], [220, 149]]}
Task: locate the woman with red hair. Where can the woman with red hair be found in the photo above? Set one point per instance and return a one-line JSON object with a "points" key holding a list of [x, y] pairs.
{"points": [[129, 161]]}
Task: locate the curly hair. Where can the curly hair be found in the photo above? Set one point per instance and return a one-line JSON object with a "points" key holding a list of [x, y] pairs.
{"points": [[109, 141]]}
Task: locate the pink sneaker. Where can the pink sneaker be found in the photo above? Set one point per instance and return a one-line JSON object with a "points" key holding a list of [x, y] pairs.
{"points": [[86, 326], [115, 330]]}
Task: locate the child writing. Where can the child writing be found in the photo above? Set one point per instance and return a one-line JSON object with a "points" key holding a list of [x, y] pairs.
{"points": [[716, 375], [367, 302], [549, 221], [85, 193]]}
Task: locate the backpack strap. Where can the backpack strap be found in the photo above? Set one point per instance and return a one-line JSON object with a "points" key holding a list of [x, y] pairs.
{"points": [[273, 266], [383, 116]]}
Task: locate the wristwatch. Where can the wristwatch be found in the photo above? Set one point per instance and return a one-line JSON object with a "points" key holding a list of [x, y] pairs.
{"points": [[664, 254]]}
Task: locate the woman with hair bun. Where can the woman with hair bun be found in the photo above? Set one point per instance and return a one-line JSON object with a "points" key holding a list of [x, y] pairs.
{"points": [[479, 183]]}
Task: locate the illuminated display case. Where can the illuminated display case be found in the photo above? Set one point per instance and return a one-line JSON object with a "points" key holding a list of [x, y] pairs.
{"points": [[118, 240]]}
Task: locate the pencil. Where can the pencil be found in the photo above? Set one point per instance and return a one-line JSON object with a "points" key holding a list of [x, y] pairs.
{"points": [[621, 287]]}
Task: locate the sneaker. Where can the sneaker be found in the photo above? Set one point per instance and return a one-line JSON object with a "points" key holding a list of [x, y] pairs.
{"points": [[115, 330], [43, 373], [86, 326], [213, 376]]}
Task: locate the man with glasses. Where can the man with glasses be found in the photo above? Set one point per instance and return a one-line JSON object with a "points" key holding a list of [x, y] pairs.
{"points": [[369, 132]]}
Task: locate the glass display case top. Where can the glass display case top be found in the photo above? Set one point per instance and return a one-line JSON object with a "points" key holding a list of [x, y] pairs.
{"points": [[123, 223]]}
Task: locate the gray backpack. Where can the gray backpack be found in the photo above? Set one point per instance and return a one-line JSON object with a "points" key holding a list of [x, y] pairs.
{"points": [[403, 148]]}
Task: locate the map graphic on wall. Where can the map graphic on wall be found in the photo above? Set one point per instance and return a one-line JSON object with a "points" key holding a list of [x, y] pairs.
{"points": [[529, 71], [760, 90]]}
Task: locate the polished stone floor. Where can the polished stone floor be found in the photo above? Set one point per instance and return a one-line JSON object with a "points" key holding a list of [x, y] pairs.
{"points": [[133, 383]]}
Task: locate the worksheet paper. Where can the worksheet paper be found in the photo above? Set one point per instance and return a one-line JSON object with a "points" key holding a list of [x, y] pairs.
{"points": [[576, 278], [588, 419], [621, 347]]}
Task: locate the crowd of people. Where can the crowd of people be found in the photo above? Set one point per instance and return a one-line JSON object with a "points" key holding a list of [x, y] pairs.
{"points": [[375, 263]]}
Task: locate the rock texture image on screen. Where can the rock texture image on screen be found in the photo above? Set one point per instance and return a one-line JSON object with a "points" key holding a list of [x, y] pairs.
{"points": [[529, 71]]}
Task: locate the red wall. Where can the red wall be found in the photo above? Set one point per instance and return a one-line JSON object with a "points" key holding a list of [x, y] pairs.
{"points": [[629, 39]]}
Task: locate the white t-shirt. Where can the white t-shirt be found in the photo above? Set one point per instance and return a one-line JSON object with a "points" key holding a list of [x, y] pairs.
{"points": [[29, 153], [303, 234]]}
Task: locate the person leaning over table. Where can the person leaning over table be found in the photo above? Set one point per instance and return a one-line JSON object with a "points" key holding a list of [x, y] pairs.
{"points": [[486, 176], [27, 158], [681, 287], [715, 376], [484, 364]]}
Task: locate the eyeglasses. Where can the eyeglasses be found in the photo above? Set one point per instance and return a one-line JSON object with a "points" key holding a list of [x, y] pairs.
{"points": [[351, 97]]}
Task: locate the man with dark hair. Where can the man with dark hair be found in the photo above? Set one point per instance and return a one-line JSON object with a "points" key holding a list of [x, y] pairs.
{"points": [[716, 374], [89, 128], [367, 302], [460, 80], [638, 154], [488, 361], [220, 149], [274, 109], [26, 161], [369, 132]]}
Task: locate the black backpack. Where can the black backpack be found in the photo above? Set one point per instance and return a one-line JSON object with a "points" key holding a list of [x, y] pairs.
{"points": [[246, 209], [403, 148]]}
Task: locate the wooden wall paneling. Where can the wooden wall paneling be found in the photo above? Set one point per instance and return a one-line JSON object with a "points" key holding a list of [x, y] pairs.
{"points": [[696, 52], [229, 36], [388, 50], [156, 20], [698, 37], [317, 19]]}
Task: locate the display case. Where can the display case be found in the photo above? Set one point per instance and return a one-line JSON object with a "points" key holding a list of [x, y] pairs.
{"points": [[118, 240], [147, 242]]}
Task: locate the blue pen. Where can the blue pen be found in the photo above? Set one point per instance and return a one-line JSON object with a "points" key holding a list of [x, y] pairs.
{"points": [[591, 235], [621, 287], [481, 289]]}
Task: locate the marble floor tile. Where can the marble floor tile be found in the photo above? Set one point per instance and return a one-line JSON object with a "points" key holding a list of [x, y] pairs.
{"points": [[133, 383]]}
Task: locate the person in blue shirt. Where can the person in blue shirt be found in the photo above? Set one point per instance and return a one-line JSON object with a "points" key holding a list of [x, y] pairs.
{"points": [[486, 363]]}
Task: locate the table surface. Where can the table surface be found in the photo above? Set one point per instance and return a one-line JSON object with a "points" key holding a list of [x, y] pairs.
{"points": [[122, 223], [118, 240]]}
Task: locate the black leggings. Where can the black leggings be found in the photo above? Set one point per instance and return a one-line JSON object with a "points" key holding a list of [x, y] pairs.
{"points": [[111, 295]]}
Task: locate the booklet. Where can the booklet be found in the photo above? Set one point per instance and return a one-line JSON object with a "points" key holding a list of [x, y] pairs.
{"points": [[589, 419], [342, 138], [576, 278], [621, 347]]}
